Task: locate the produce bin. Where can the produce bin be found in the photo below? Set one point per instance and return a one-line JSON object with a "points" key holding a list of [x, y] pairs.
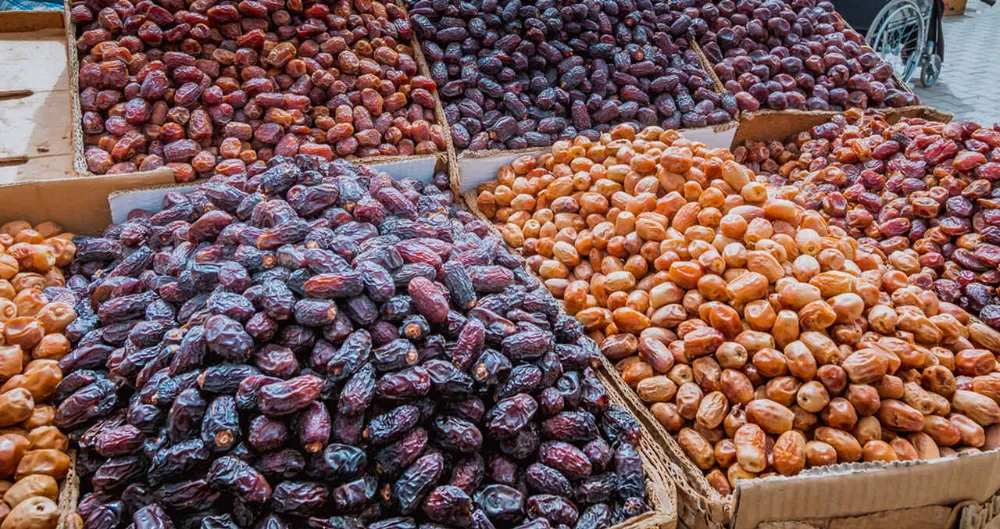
{"points": [[950, 492], [73, 65], [108, 198]]}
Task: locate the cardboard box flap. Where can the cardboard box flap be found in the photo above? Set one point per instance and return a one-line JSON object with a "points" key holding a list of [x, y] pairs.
{"points": [[850, 490], [80, 206], [767, 125]]}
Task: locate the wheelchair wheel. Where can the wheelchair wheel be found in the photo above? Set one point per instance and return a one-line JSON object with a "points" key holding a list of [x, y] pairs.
{"points": [[899, 36], [931, 71]]}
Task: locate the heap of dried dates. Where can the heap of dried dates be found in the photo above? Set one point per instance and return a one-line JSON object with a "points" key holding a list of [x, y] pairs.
{"points": [[923, 192], [765, 338], [791, 55], [35, 307], [524, 74], [209, 86], [320, 345]]}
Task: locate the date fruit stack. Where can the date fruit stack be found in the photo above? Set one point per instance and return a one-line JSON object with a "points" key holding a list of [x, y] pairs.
{"points": [[209, 86], [766, 339], [792, 55], [526, 73], [35, 308], [320, 345], [923, 191]]}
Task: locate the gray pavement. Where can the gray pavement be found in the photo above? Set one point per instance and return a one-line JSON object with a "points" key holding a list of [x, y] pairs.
{"points": [[969, 85]]}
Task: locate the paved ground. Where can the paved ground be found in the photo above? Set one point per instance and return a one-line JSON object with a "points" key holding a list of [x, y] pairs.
{"points": [[970, 80]]}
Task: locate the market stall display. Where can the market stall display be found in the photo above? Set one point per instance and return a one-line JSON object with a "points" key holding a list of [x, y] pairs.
{"points": [[921, 191], [35, 308], [515, 75], [206, 88], [302, 339], [766, 339], [320, 343]]}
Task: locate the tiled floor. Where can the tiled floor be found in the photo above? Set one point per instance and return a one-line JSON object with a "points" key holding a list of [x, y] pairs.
{"points": [[969, 85]]}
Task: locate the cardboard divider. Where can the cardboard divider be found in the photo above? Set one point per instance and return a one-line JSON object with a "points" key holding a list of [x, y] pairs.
{"points": [[34, 98], [425, 69], [768, 125], [69, 495], [80, 207], [660, 489]]}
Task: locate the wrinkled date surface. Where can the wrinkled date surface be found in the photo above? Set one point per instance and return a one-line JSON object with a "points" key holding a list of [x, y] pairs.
{"points": [[36, 309], [322, 346], [223, 87], [791, 55], [922, 191], [757, 330], [524, 74]]}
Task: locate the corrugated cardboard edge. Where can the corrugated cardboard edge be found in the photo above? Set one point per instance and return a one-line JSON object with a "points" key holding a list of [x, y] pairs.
{"points": [[69, 494], [984, 515], [766, 125], [80, 161], [73, 72]]}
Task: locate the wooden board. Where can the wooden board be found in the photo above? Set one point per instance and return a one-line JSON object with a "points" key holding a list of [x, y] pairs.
{"points": [[34, 61], [18, 170], [35, 102], [36, 125]]}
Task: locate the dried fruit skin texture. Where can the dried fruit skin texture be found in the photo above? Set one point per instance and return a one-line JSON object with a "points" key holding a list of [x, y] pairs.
{"points": [[781, 295], [287, 353]]}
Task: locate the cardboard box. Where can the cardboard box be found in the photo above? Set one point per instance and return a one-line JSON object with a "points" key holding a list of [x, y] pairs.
{"points": [[904, 495], [93, 210], [34, 98], [71, 63]]}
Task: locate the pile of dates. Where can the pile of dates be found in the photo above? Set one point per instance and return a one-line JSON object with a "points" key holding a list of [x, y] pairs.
{"points": [[791, 55], [760, 335], [526, 73], [35, 308], [209, 86], [322, 346], [923, 191]]}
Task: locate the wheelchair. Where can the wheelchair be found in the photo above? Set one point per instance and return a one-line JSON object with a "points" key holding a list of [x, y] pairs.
{"points": [[906, 33]]}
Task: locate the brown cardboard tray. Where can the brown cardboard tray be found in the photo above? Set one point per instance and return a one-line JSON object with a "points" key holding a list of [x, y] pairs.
{"points": [[768, 125], [903, 495], [34, 98]]}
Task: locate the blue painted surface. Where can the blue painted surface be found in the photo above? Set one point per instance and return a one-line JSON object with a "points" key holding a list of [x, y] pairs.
{"points": [[30, 5]]}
